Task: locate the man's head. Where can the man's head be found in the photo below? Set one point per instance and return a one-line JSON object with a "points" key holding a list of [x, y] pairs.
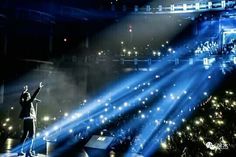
{"points": [[26, 96]]}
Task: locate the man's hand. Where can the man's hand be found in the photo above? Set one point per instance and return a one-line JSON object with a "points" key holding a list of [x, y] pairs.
{"points": [[25, 88], [41, 85]]}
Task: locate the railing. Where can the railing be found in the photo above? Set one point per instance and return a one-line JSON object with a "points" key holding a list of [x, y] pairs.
{"points": [[35, 15], [186, 7]]}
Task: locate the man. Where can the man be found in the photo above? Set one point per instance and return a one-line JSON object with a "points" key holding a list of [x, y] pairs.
{"points": [[28, 114]]}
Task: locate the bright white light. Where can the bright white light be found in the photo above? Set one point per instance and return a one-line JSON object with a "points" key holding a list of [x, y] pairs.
{"points": [[70, 131], [234, 60], [46, 134], [46, 118], [197, 6], [12, 108], [10, 128], [205, 61], [8, 119], [4, 124], [78, 115], [211, 132], [179, 133], [55, 128], [129, 53], [163, 145], [142, 116], [201, 138], [125, 104], [184, 6], [66, 114], [188, 128], [38, 134], [85, 101], [154, 53], [197, 122]]}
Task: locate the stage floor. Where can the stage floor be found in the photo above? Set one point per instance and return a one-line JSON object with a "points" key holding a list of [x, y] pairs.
{"points": [[15, 155]]}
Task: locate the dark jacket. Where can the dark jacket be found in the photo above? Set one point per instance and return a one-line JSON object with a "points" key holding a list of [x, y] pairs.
{"points": [[27, 106]]}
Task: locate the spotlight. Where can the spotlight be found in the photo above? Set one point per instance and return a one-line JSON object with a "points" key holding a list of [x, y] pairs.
{"points": [[142, 116], [164, 145], [10, 128], [209, 5], [184, 7], [55, 128], [154, 53], [234, 60], [46, 134], [223, 4], [197, 6], [205, 61], [46, 118], [70, 131]]}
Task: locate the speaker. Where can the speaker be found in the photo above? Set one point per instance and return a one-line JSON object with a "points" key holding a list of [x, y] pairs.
{"points": [[98, 146]]}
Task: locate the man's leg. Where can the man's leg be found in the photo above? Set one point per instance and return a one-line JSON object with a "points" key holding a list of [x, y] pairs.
{"points": [[31, 131], [23, 138]]}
